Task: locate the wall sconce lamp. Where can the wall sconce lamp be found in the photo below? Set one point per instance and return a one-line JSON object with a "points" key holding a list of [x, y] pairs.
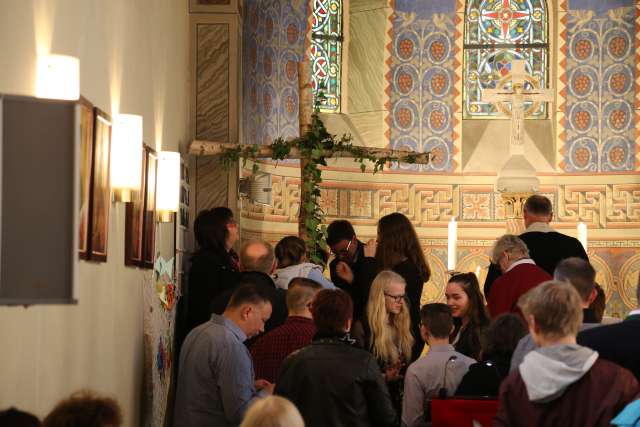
{"points": [[168, 184], [126, 156], [58, 77]]}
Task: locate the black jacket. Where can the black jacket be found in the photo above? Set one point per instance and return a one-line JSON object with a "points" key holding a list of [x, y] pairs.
{"points": [[364, 271], [469, 341], [209, 276], [484, 378], [333, 383], [547, 249], [278, 298], [619, 343]]}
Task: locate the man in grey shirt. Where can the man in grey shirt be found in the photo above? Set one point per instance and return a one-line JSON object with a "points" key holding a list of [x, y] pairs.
{"points": [[437, 373], [582, 276], [216, 381]]}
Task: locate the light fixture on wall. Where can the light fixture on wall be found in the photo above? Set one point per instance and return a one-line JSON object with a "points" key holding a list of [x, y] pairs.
{"points": [[168, 184], [256, 188], [126, 156], [58, 77]]}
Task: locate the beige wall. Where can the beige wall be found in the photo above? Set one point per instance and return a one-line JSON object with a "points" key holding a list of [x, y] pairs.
{"points": [[134, 59]]}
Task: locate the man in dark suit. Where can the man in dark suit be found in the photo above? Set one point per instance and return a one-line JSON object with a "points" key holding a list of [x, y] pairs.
{"points": [[351, 270], [257, 263], [546, 246], [619, 343]]}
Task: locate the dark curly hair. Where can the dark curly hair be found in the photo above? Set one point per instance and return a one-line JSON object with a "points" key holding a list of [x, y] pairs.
{"points": [[84, 409], [502, 336]]}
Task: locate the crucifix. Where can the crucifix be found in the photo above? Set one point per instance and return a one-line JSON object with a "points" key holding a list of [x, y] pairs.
{"points": [[305, 114], [517, 96]]}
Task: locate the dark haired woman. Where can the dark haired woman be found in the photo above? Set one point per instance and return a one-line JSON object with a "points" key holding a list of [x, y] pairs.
{"points": [[469, 313], [498, 344], [214, 267], [292, 255], [399, 249]]}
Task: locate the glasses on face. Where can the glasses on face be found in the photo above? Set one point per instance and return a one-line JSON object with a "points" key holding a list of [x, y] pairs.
{"points": [[343, 252], [395, 298]]}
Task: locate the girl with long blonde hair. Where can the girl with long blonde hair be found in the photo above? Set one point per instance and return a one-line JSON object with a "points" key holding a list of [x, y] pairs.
{"points": [[386, 330]]}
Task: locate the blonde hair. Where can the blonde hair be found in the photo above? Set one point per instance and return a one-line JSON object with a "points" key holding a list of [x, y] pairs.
{"points": [[381, 322], [272, 411], [556, 308]]}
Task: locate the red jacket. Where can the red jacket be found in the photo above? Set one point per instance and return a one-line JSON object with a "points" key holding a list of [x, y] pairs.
{"points": [[593, 400], [509, 287]]}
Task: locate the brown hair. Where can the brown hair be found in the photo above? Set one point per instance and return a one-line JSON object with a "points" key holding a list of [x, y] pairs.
{"points": [[331, 309], [300, 293], [538, 205], [579, 273], [290, 250], [502, 336], [599, 304], [263, 263], [556, 308], [477, 311], [397, 241], [83, 409], [437, 318]]}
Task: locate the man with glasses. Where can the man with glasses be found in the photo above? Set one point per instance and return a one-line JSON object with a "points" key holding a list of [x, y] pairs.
{"points": [[351, 269]]}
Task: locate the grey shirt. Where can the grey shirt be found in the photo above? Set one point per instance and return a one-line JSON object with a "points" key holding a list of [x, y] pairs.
{"points": [[216, 377], [426, 376]]}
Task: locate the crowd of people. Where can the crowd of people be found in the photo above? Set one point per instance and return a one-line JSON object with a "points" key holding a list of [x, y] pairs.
{"points": [[285, 345]]}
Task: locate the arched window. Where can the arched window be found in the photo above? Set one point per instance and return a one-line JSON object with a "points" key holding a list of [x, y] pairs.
{"points": [[497, 32], [326, 52]]}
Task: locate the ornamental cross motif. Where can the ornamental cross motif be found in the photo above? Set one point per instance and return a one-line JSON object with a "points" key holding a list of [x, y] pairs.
{"points": [[504, 16], [517, 95]]}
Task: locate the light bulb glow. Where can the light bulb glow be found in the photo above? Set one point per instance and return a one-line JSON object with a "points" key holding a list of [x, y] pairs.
{"points": [[126, 152], [168, 194], [58, 77]]}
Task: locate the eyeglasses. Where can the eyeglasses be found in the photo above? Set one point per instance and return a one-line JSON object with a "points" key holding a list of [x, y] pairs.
{"points": [[396, 298], [343, 252]]}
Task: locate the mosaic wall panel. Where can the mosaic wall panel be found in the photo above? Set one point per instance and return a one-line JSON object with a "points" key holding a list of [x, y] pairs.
{"points": [[600, 93], [422, 80], [273, 42]]}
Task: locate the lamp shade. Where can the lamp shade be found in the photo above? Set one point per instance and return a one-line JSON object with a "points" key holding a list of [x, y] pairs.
{"points": [[126, 154], [58, 77], [168, 194]]}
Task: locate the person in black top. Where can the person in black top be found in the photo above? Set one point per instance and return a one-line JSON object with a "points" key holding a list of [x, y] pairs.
{"points": [[498, 343], [351, 270], [214, 267], [546, 246]]}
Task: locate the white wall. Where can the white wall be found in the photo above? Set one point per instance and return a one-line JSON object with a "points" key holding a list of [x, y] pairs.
{"points": [[134, 59]]}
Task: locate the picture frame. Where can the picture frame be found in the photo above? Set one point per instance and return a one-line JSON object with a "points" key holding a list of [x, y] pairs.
{"points": [[134, 220], [214, 6], [100, 192], [86, 160], [149, 220]]}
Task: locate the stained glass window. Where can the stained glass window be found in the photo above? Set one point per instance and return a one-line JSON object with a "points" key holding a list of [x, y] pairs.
{"points": [[497, 32], [326, 52]]}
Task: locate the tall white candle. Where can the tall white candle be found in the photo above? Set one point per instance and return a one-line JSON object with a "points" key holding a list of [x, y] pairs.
{"points": [[478, 272], [453, 242], [582, 234]]}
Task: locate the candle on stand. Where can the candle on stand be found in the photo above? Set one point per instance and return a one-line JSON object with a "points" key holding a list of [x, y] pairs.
{"points": [[582, 234], [478, 272], [453, 242]]}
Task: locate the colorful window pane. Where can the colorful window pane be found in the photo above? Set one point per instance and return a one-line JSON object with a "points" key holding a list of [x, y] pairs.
{"points": [[326, 52], [497, 32]]}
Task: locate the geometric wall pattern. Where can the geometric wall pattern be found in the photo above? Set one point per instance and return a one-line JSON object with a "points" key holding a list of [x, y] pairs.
{"points": [[600, 93]]}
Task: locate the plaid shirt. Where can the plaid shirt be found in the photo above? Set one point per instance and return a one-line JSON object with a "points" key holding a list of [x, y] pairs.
{"points": [[270, 350]]}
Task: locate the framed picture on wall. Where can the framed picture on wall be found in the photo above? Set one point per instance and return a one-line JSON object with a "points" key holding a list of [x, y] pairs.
{"points": [[100, 187], [134, 220], [213, 6], [86, 157], [149, 220]]}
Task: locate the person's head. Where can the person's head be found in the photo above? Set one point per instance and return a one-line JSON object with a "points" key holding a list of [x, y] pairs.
{"points": [[291, 250], [332, 311], [553, 311], [502, 336], [397, 241], [389, 318], [599, 304], [537, 208], [300, 293], [215, 229], [341, 238], [507, 250], [13, 417], [436, 322], [581, 275], [272, 411], [249, 307], [465, 299], [85, 408], [257, 255]]}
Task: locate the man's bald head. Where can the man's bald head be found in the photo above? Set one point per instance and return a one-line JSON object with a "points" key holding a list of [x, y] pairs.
{"points": [[257, 255]]}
